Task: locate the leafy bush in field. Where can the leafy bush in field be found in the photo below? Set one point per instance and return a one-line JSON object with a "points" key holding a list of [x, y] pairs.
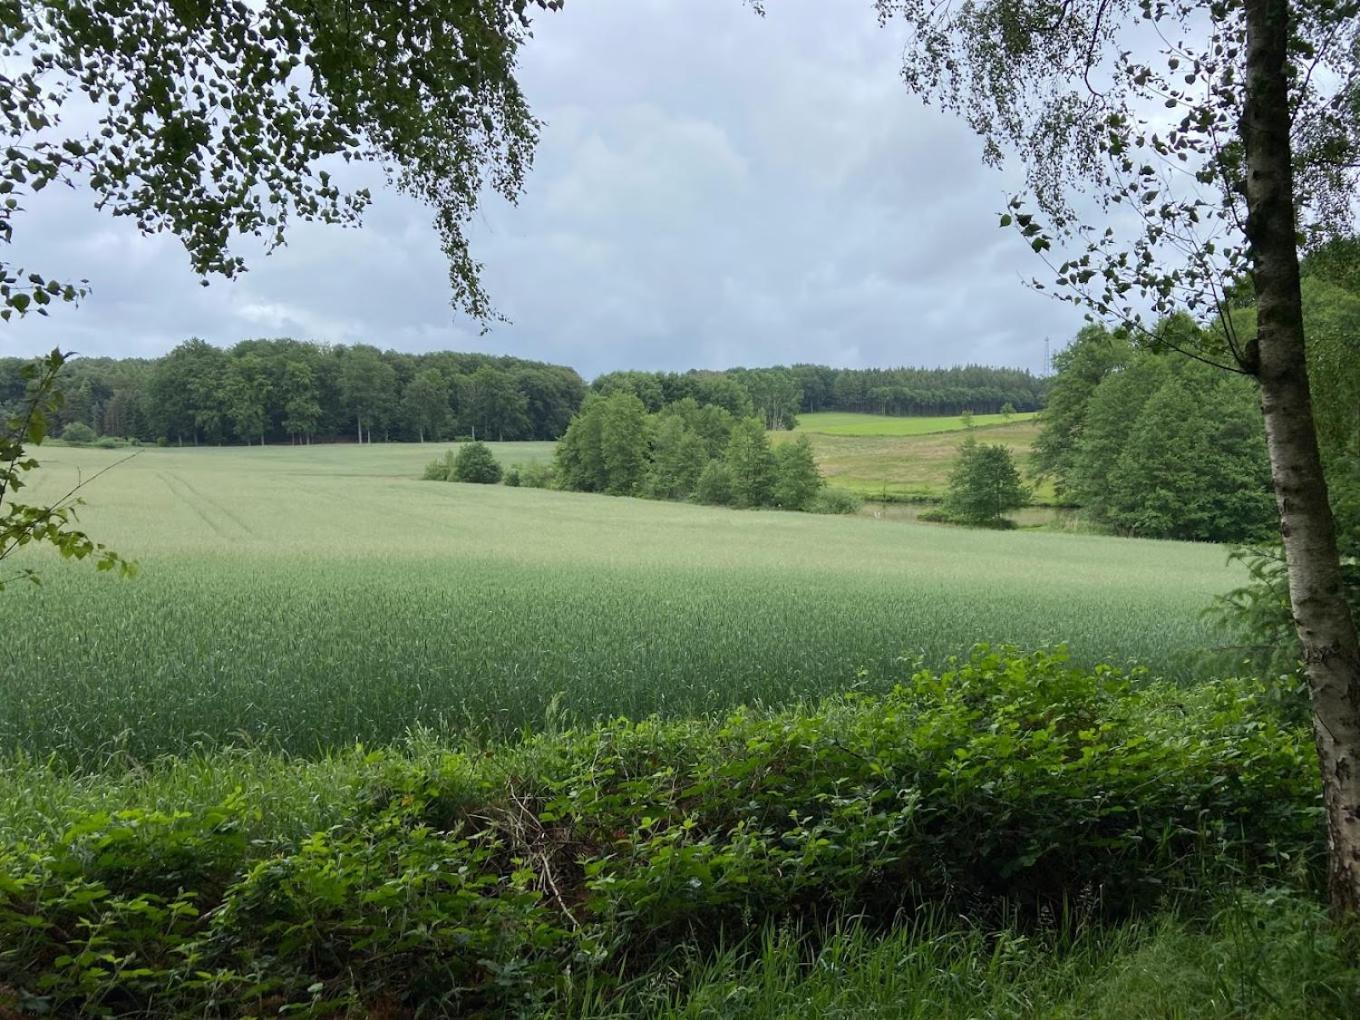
{"points": [[109, 443], [440, 469], [472, 462], [835, 501], [474, 881], [537, 476], [475, 463], [530, 476], [78, 434]]}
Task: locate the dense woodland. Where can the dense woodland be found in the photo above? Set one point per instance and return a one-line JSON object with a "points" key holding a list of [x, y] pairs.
{"points": [[283, 390], [1153, 443], [287, 390], [779, 394]]}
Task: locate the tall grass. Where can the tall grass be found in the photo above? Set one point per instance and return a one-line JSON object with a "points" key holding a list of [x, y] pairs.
{"points": [[1266, 956], [305, 599]]}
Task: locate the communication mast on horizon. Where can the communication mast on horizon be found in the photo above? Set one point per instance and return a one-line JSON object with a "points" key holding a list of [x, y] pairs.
{"points": [[1048, 359]]}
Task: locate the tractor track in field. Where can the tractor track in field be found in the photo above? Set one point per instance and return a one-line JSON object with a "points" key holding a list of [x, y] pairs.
{"points": [[196, 501]]}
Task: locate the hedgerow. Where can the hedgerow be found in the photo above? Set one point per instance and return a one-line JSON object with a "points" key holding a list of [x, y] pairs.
{"points": [[480, 879]]}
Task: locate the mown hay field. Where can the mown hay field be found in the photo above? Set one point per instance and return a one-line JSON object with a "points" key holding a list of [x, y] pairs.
{"points": [[907, 458], [311, 598]]}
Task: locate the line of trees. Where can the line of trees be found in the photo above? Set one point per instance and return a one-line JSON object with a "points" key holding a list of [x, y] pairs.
{"points": [[291, 391], [778, 395], [684, 451], [284, 390], [1153, 443]]}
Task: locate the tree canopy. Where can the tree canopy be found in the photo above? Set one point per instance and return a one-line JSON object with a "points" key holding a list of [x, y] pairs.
{"points": [[214, 121], [287, 390]]}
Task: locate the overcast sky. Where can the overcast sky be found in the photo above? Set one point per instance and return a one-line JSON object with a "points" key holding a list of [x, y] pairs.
{"points": [[711, 189]]}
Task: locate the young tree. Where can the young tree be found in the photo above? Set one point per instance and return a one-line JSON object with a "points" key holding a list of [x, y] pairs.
{"points": [[750, 464], [796, 478], [984, 485], [1262, 140]]}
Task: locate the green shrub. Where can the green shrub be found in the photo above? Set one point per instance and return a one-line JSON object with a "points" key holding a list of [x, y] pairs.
{"points": [[109, 443], [530, 476], [835, 501], [472, 881], [475, 463], [943, 515], [538, 476], [78, 434], [440, 469]]}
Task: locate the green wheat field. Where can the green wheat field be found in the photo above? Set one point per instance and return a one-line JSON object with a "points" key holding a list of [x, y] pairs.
{"points": [[304, 599]]}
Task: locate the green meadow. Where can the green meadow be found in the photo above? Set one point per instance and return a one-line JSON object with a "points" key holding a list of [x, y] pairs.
{"points": [[907, 459], [848, 423], [305, 598]]}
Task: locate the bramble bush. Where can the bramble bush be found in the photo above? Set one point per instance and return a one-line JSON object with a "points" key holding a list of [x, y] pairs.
{"points": [[466, 879]]}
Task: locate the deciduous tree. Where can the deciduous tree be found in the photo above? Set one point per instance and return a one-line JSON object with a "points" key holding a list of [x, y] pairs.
{"points": [[796, 478], [984, 485], [750, 464]]}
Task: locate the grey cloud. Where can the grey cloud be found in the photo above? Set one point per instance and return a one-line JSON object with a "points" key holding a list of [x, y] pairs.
{"points": [[712, 189]]}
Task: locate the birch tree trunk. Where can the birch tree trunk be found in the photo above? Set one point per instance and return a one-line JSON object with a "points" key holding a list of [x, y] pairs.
{"points": [[1321, 614]]}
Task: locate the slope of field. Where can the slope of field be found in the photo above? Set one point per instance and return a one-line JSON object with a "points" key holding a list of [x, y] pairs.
{"points": [[913, 463], [844, 423], [311, 598]]}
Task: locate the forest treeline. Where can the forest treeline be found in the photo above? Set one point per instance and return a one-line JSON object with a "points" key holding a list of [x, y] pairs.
{"points": [[284, 390], [777, 395], [1152, 443], [288, 390]]}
